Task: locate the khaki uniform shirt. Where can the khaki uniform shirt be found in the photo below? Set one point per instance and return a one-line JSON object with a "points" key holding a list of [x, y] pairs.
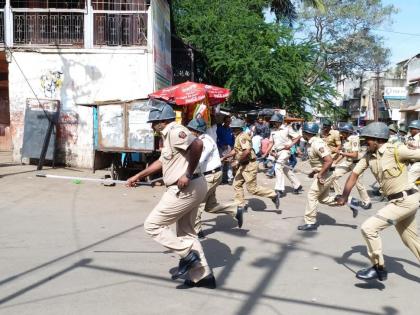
{"points": [[333, 140], [176, 140], [392, 178], [414, 142], [317, 151], [352, 144], [243, 142]]}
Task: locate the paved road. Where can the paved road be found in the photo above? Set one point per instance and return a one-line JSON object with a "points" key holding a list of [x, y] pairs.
{"points": [[70, 248]]}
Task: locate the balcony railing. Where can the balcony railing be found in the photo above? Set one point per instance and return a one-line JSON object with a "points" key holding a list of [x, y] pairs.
{"points": [[46, 28]]}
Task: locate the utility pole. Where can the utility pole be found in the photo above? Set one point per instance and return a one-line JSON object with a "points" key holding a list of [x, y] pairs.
{"points": [[377, 93]]}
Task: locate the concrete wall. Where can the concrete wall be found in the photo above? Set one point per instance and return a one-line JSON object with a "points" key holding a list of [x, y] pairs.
{"points": [[413, 72], [75, 77]]}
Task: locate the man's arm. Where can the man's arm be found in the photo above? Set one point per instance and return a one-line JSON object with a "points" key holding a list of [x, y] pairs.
{"points": [[244, 156], [351, 181], [155, 167], [327, 162], [193, 157]]}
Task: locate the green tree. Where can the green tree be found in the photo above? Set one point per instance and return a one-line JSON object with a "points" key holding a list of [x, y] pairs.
{"points": [[258, 61], [344, 39]]}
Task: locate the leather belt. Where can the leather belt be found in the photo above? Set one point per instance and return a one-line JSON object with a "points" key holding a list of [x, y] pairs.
{"points": [[195, 175], [400, 194], [217, 169]]}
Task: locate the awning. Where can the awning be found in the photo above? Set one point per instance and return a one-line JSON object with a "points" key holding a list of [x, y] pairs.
{"points": [[411, 108]]}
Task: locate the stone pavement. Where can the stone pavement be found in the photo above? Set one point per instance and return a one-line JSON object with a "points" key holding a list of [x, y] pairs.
{"points": [[69, 248]]}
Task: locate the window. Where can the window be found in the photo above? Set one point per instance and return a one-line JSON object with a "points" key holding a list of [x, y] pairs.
{"points": [[34, 23], [120, 23], [48, 4], [2, 4]]}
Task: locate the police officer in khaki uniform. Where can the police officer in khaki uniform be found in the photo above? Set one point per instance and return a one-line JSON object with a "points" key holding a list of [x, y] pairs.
{"points": [[320, 160], [345, 163], [186, 188], [386, 162], [393, 134], [211, 166], [331, 138], [413, 142], [247, 167]]}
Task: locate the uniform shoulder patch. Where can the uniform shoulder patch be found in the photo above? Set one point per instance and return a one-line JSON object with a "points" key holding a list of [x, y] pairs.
{"points": [[182, 135], [243, 141], [354, 144], [321, 149]]}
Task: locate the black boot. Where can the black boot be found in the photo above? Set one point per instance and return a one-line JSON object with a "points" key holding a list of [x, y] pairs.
{"points": [[308, 227], [201, 235], [240, 216], [372, 273], [276, 200], [366, 206], [209, 282], [298, 190], [186, 264]]}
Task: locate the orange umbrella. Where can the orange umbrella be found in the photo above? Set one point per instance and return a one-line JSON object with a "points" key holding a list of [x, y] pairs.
{"points": [[188, 93]]}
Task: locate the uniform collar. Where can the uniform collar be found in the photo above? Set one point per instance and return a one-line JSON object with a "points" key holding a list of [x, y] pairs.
{"points": [[382, 149], [312, 139], [167, 128]]}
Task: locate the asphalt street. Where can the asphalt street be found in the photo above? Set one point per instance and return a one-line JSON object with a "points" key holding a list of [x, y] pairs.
{"points": [[80, 248]]}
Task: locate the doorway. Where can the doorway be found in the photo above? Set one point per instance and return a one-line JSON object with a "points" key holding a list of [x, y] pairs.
{"points": [[5, 138]]}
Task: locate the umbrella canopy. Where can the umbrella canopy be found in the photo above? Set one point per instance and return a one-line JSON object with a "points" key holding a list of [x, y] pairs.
{"points": [[191, 92]]}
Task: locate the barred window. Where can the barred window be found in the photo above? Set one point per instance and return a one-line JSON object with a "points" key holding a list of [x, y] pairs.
{"points": [[48, 4], [120, 22], [120, 5], [2, 4], [35, 24]]}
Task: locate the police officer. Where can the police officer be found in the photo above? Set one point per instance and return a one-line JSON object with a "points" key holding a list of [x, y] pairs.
{"points": [[386, 162], [348, 155], [331, 138], [280, 144], [211, 167], [186, 188], [413, 142], [403, 134], [393, 134], [320, 160], [247, 167]]}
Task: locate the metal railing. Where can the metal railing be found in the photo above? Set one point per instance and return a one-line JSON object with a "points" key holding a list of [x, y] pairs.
{"points": [[46, 28], [120, 29]]}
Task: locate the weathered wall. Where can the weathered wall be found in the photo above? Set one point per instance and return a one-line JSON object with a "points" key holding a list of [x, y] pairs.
{"points": [[75, 77]]}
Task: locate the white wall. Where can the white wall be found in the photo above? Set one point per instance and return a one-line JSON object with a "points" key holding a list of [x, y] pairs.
{"points": [[87, 77]]}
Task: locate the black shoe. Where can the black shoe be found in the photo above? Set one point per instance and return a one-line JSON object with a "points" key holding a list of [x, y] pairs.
{"points": [[355, 211], [298, 190], [372, 273], [186, 264], [201, 235], [276, 201], [239, 216], [308, 227], [208, 282], [366, 206]]}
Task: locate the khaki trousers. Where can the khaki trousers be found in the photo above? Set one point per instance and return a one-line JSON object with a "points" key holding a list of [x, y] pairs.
{"points": [[414, 173], [180, 207], [210, 203], [281, 173], [342, 170], [318, 194], [403, 212], [247, 174]]}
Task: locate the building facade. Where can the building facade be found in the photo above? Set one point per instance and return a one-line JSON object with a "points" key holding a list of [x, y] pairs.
{"points": [[79, 52]]}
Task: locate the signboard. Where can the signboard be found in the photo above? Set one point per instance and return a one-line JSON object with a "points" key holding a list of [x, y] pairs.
{"points": [[37, 119], [395, 93], [162, 44], [140, 133]]}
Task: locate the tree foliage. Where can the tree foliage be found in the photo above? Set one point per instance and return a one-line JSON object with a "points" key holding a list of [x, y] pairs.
{"points": [[258, 61], [343, 36]]}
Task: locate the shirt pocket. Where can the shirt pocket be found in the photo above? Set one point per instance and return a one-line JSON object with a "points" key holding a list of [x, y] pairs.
{"points": [[391, 172], [166, 154]]}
